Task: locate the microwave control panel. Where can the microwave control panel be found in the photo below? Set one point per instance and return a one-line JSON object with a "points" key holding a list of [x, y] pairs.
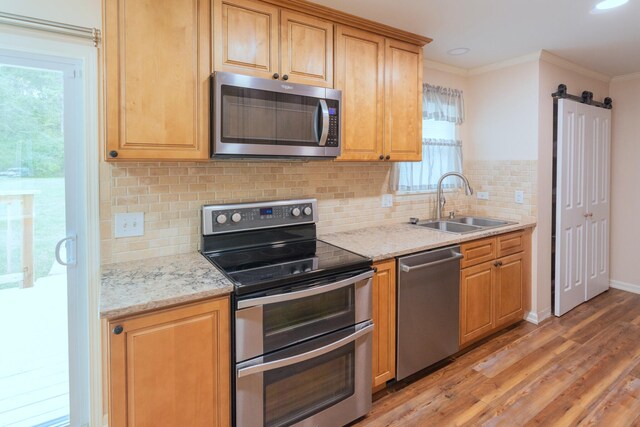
{"points": [[334, 124]]}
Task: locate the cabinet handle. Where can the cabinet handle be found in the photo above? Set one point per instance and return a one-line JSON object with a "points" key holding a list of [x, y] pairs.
{"points": [[375, 269], [497, 263], [276, 76], [388, 157], [285, 77], [118, 330], [381, 157], [113, 153]]}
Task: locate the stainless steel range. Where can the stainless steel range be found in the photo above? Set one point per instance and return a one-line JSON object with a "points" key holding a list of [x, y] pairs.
{"points": [[302, 315]]}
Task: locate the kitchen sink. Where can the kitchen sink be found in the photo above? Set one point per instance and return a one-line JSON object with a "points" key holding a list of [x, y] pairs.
{"points": [[464, 224], [480, 222], [450, 227]]}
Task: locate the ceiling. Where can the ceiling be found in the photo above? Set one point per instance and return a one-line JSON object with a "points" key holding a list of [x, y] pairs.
{"points": [[497, 30]]}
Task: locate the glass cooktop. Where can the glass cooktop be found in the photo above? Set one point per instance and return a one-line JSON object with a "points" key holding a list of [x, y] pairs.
{"points": [[275, 265]]}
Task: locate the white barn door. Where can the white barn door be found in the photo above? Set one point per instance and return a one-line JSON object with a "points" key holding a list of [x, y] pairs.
{"points": [[570, 208], [598, 201], [582, 204]]}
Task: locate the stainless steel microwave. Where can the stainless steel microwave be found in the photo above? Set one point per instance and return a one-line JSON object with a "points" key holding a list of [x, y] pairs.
{"points": [[255, 117]]}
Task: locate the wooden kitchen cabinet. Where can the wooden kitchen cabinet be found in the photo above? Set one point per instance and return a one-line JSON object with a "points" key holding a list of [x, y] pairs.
{"points": [[246, 37], [381, 83], [157, 60], [384, 320], [263, 40], [171, 367], [403, 101], [360, 76], [494, 284]]}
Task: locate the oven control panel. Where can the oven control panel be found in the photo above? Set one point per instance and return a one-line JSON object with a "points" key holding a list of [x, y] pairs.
{"points": [[218, 219]]}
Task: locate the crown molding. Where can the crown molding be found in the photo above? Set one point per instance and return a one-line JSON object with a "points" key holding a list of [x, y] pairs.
{"points": [[446, 68], [626, 77], [504, 64], [571, 66]]}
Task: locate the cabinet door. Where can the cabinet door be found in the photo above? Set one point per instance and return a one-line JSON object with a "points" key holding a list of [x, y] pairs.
{"points": [[509, 300], [306, 45], [360, 76], [246, 37], [403, 101], [157, 66], [476, 301], [384, 319], [171, 367]]}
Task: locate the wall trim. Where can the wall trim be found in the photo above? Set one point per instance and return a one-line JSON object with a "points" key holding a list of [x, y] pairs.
{"points": [[446, 68], [537, 318], [504, 64], [626, 77], [628, 287], [571, 66]]}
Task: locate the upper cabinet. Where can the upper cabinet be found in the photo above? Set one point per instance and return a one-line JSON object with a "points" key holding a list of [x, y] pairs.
{"points": [[157, 64], [403, 101], [262, 40], [158, 58], [246, 37], [381, 83]]}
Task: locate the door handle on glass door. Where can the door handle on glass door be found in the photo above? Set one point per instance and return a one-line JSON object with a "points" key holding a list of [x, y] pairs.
{"points": [[71, 254]]}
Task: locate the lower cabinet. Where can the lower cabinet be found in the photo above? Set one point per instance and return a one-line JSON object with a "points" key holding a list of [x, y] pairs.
{"points": [[384, 320], [494, 284], [171, 367]]}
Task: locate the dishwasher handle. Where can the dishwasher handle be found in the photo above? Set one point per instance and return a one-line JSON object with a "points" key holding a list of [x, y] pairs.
{"points": [[408, 269]]}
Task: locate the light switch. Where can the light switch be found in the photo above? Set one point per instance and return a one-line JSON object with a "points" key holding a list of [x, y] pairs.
{"points": [[129, 224], [519, 196]]}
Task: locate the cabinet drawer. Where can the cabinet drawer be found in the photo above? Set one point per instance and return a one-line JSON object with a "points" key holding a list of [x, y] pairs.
{"points": [[477, 252], [509, 244]]}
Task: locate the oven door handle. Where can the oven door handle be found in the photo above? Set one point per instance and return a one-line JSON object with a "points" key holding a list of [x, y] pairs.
{"points": [[272, 299], [287, 361]]}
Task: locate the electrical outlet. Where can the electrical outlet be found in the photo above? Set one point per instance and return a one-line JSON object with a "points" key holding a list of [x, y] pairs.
{"points": [[387, 200], [483, 195], [129, 224], [519, 196]]}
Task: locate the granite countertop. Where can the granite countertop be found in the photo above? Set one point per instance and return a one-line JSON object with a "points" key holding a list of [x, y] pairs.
{"points": [[136, 286], [380, 243]]}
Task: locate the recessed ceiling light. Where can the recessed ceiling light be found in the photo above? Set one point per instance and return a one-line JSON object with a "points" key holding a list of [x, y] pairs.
{"points": [[609, 4], [458, 51]]}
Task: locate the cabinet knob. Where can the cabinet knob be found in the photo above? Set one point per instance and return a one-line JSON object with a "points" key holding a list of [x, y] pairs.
{"points": [[276, 76], [381, 157], [388, 157], [118, 330], [113, 153], [285, 77], [375, 269]]}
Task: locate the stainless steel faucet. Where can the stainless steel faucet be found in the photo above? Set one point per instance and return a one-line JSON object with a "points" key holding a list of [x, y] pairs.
{"points": [[441, 200]]}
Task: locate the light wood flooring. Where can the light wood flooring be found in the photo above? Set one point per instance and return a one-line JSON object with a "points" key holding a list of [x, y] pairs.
{"points": [[580, 369]]}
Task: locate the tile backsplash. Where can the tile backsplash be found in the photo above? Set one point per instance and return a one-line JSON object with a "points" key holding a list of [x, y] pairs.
{"points": [[349, 197]]}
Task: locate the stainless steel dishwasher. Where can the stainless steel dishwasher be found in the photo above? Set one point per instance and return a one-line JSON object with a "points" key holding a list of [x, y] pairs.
{"points": [[428, 309]]}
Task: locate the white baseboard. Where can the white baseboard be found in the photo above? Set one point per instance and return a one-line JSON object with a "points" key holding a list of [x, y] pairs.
{"points": [[629, 287], [536, 318]]}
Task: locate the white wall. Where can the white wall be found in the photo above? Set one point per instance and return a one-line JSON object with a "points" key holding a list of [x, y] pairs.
{"points": [[577, 80], [76, 12], [625, 177], [502, 107]]}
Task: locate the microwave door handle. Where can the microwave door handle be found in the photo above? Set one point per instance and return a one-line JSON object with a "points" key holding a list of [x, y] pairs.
{"points": [[272, 299], [322, 140], [288, 361]]}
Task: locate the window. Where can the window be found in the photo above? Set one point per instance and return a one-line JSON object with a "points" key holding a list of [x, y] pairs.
{"points": [[443, 111]]}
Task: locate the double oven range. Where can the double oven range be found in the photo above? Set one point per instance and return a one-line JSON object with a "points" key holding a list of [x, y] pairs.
{"points": [[301, 315]]}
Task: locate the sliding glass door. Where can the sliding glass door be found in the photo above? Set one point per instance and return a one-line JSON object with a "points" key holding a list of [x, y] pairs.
{"points": [[43, 302]]}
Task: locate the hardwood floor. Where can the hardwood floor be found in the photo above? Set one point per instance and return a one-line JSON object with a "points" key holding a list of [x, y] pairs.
{"points": [[581, 369]]}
